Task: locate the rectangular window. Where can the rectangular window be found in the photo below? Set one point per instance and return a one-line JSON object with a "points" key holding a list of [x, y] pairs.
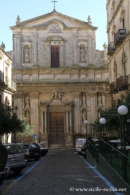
{"points": [[54, 56]]}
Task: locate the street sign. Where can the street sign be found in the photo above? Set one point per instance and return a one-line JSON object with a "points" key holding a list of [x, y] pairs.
{"points": [[35, 136]]}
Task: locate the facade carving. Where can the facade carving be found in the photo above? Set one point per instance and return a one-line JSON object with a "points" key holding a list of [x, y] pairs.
{"points": [[54, 28]]}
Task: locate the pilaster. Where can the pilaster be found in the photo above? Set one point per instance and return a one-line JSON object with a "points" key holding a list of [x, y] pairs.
{"points": [[35, 48]]}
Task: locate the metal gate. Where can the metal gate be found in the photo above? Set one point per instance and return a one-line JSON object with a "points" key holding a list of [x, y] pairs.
{"points": [[56, 122]]}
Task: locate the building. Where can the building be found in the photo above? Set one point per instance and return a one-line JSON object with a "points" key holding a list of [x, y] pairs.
{"points": [[61, 78], [118, 28], [7, 85]]}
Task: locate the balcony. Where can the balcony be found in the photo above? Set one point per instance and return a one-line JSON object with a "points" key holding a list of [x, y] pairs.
{"points": [[10, 83], [120, 36], [122, 83], [113, 87], [111, 48]]}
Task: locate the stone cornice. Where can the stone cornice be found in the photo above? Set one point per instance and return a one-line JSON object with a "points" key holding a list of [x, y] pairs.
{"points": [[50, 14], [62, 70]]}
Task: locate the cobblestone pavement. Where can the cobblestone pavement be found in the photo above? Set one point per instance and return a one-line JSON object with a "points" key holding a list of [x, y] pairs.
{"points": [[60, 173]]}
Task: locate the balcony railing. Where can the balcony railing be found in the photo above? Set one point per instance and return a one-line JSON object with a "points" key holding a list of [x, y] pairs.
{"points": [[113, 87], [122, 82], [120, 36], [111, 48]]}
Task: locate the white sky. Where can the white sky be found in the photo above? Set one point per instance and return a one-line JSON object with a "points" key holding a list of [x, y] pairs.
{"points": [[27, 9]]}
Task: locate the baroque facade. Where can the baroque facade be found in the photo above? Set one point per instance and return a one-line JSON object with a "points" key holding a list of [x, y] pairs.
{"points": [[61, 78], [118, 28]]}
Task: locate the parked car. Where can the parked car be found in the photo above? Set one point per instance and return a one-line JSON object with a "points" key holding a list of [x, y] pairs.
{"points": [[26, 151], [4, 171], [34, 151], [79, 143], [43, 149], [16, 158]]}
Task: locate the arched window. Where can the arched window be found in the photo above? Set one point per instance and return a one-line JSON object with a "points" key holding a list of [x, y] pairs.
{"points": [[55, 56]]}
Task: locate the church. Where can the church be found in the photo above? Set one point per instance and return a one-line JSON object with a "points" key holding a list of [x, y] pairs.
{"points": [[61, 78]]}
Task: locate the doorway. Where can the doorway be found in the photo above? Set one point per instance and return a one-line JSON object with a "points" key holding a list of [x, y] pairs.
{"points": [[56, 121]]}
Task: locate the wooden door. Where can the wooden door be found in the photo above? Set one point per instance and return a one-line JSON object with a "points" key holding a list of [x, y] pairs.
{"points": [[56, 121]]}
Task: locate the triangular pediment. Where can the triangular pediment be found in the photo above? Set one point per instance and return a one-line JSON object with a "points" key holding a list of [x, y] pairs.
{"points": [[51, 18]]}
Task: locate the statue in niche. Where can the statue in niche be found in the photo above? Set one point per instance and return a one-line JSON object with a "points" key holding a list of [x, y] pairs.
{"points": [[26, 54], [99, 100], [84, 115], [105, 48], [82, 54], [27, 117], [27, 101], [84, 100]]}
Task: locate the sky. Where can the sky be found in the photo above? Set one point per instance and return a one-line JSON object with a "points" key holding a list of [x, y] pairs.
{"points": [[27, 9]]}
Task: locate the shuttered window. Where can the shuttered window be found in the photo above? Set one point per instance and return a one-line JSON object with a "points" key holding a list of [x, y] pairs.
{"points": [[55, 56]]}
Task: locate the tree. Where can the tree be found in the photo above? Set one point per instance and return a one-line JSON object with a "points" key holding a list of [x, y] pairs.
{"points": [[9, 121]]}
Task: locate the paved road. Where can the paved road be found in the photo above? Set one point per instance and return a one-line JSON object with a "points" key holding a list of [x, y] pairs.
{"points": [[59, 173]]}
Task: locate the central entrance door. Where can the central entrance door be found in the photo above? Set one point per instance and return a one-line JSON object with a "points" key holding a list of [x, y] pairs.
{"points": [[56, 127]]}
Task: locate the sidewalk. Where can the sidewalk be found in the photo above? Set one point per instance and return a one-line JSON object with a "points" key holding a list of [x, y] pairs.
{"points": [[61, 172]]}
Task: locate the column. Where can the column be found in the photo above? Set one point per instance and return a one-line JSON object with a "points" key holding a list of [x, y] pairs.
{"points": [[45, 122], [18, 49], [89, 50], [42, 127], [77, 126], [35, 49], [75, 47], [67, 124], [62, 54], [48, 54], [70, 121]]}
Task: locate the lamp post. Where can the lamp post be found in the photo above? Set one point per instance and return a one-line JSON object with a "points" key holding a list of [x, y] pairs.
{"points": [[86, 122], [123, 110], [102, 121]]}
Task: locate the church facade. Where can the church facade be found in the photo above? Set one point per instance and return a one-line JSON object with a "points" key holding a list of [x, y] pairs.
{"points": [[61, 78]]}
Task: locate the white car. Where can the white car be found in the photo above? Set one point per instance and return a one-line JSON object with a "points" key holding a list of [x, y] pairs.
{"points": [[79, 143], [16, 158]]}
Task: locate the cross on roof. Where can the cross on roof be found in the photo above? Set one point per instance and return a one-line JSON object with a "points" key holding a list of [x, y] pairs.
{"points": [[54, 3]]}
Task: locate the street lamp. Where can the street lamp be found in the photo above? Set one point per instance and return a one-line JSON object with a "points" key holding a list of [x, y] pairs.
{"points": [[123, 110], [86, 122], [102, 121]]}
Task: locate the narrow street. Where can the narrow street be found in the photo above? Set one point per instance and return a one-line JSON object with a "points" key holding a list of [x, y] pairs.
{"points": [[61, 172]]}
